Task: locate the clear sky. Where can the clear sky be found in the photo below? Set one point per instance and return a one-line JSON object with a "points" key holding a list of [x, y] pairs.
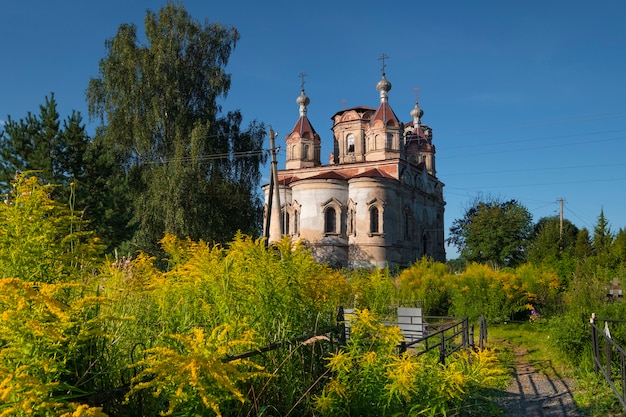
{"points": [[525, 99]]}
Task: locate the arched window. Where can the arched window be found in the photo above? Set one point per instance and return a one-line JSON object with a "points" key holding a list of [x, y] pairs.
{"points": [[407, 225], [350, 143], [285, 223], [305, 152], [296, 223], [389, 144], [374, 223], [330, 220]]}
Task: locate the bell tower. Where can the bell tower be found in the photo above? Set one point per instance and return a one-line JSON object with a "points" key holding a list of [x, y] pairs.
{"points": [[303, 143], [384, 136]]}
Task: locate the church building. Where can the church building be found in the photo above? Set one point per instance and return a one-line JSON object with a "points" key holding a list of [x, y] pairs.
{"points": [[378, 201]]}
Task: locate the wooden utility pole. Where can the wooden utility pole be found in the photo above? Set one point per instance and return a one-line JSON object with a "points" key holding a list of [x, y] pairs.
{"points": [[272, 221], [561, 218]]}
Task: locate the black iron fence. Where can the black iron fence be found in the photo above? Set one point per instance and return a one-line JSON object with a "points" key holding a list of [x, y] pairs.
{"points": [[609, 358], [427, 333], [447, 335]]}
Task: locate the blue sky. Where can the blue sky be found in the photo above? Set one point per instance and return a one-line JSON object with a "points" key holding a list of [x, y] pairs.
{"points": [[525, 99]]}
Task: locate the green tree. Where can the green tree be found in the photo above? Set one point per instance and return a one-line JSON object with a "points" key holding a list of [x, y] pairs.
{"points": [[28, 144], [87, 176], [493, 231], [40, 143], [548, 244], [619, 246], [192, 171], [602, 236], [583, 248]]}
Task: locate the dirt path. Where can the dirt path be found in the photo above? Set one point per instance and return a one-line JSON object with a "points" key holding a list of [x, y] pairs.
{"points": [[532, 393]]}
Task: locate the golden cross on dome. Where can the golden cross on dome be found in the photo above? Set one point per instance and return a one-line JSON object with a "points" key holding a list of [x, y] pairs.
{"points": [[382, 58], [302, 75]]}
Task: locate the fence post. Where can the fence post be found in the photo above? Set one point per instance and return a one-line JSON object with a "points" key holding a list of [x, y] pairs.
{"points": [[483, 332], [622, 369], [465, 335], [594, 342], [607, 357], [471, 335], [341, 326], [442, 348]]}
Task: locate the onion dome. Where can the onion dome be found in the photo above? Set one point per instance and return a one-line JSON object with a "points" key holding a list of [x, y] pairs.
{"points": [[384, 87], [416, 114], [303, 101]]}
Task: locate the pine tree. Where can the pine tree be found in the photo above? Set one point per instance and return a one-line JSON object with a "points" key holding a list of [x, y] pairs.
{"points": [[602, 236], [583, 248], [85, 176]]}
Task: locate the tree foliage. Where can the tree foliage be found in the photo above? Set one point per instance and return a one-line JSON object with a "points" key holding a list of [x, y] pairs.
{"points": [[602, 236], [85, 175], [41, 143], [493, 231], [551, 247], [192, 170]]}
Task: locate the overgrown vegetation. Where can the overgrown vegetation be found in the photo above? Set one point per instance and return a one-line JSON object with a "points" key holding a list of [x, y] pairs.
{"points": [[82, 334], [174, 329]]}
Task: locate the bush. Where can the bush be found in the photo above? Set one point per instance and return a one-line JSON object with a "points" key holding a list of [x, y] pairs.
{"points": [[369, 378]]}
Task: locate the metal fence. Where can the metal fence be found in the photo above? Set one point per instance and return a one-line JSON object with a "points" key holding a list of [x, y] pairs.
{"points": [[447, 335], [423, 334], [609, 357]]}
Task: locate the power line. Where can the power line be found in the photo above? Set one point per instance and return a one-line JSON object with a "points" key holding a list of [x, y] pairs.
{"points": [[537, 169], [540, 184], [534, 148], [544, 138], [212, 157]]}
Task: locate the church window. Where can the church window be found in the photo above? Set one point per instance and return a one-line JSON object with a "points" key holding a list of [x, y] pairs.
{"points": [[350, 142], [305, 152], [389, 144], [374, 223], [407, 225], [286, 223], [330, 220]]}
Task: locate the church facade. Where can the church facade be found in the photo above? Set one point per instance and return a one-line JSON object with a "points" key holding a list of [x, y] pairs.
{"points": [[378, 201]]}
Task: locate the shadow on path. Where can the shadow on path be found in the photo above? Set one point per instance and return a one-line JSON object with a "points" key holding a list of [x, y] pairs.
{"points": [[532, 393]]}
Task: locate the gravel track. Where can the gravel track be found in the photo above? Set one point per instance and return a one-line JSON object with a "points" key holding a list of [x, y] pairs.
{"points": [[534, 394]]}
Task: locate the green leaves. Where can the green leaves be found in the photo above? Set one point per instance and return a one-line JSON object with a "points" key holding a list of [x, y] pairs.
{"points": [[493, 231], [189, 170], [41, 239], [370, 379]]}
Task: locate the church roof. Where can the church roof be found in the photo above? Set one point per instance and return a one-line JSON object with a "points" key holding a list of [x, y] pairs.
{"points": [[327, 175], [385, 114], [373, 173], [304, 128], [287, 179], [358, 109]]}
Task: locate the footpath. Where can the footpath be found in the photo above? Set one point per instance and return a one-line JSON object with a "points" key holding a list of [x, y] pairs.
{"points": [[534, 394]]}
